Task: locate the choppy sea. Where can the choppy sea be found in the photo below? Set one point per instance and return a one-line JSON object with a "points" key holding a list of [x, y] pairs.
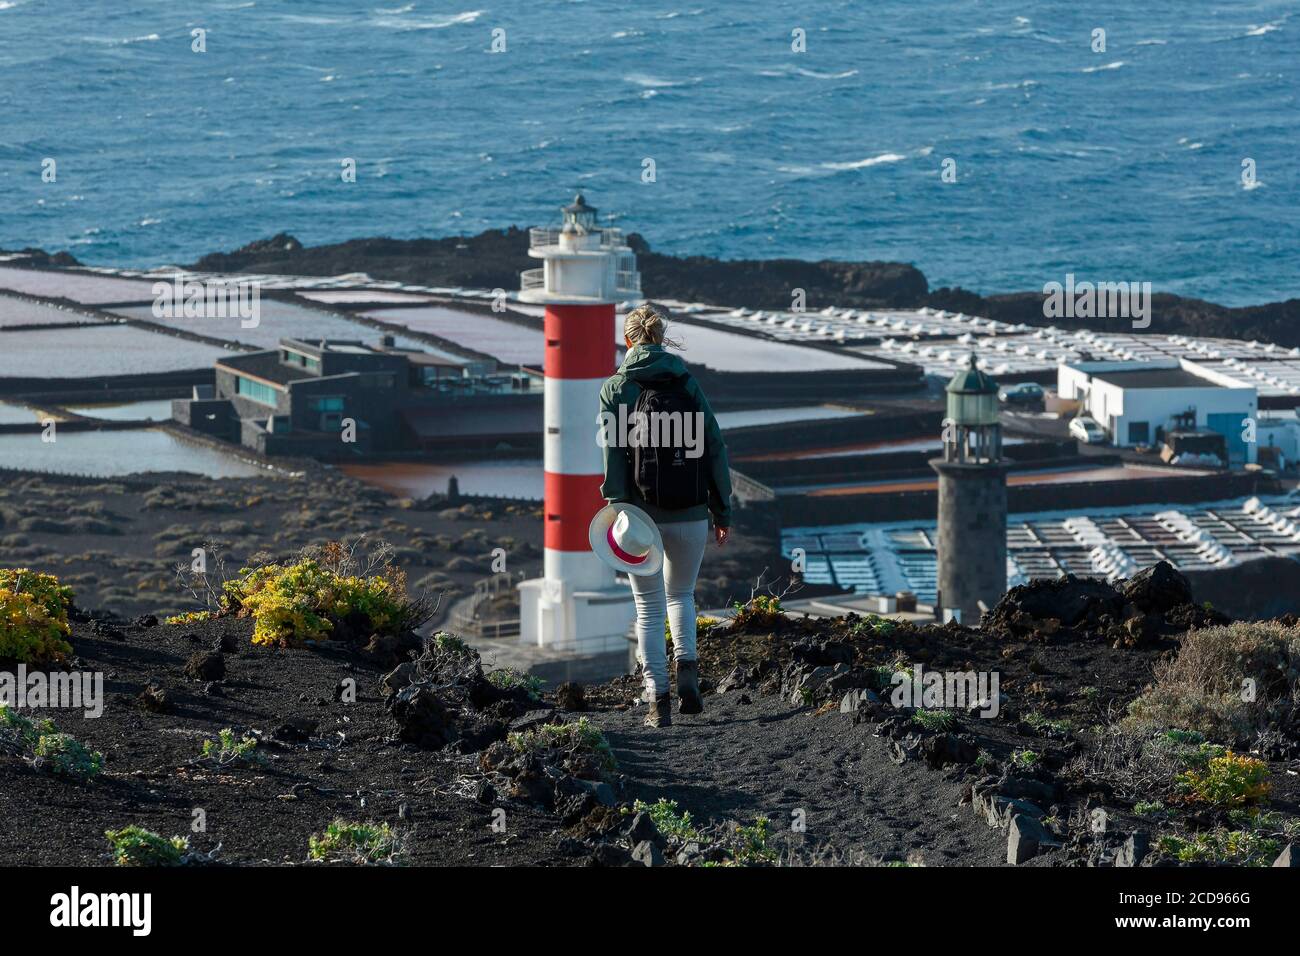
{"points": [[1169, 156]]}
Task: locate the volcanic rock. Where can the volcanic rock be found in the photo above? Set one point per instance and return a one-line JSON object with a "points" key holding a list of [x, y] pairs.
{"points": [[570, 696], [1157, 589], [1134, 849], [1288, 857], [647, 854], [205, 666], [1024, 837]]}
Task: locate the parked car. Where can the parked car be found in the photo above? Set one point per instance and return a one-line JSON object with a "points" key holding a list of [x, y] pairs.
{"points": [[1087, 430], [1025, 393]]}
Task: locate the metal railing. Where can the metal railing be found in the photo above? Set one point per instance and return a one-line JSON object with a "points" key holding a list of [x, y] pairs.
{"points": [[541, 237], [532, 279]]}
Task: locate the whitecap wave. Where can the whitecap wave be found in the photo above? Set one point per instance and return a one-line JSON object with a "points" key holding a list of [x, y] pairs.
{"points": [[440, 23], [647, 81], [866, 163], [1105, 66]]}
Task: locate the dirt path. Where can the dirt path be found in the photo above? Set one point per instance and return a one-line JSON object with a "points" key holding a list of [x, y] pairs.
{"points": [[739, 760]]}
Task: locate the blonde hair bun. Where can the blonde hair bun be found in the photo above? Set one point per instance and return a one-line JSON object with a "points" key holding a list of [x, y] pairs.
{"points": [[646, 325]]}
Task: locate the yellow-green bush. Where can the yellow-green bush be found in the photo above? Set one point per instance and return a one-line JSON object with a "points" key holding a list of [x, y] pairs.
{"points": [[1231, 780], [302, 602], [33, 617]]}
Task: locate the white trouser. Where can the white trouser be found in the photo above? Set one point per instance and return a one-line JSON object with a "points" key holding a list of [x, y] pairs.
{"points": [[670, 593]]}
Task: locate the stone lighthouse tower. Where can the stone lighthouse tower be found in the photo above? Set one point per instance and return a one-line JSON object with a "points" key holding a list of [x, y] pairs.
{"points": [[576, 605], [972, 499]]}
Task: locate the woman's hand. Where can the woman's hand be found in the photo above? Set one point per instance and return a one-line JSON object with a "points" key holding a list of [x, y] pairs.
{"points": [[720, 535]]}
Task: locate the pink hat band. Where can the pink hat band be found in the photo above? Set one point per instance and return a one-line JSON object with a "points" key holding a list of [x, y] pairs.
{"points": [[619, 552]]}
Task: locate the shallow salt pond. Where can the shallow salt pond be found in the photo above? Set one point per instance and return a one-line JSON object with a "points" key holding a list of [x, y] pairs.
{"points": [[112, 454], [90, 352]]}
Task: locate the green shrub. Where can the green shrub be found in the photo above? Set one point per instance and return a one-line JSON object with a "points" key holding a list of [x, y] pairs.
{"points": [[1220, 846], [1045, 725], [667, 818], [1025, 759], [136, 846], [936, 720], [40, 744], [348, 842], [509, 679], [33, 617], [64, 755], [579, 736], [872, 625], [227, 751]]}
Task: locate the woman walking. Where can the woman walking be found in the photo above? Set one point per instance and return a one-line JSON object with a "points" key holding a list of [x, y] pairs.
{"points": [[666, 482]]}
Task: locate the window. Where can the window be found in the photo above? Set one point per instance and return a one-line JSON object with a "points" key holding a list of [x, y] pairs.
{"points": [[326, 403], [1139, 433], [256, 391]]}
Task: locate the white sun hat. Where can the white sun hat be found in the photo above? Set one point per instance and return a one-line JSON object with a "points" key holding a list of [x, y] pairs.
{"points": [[626, 538]]}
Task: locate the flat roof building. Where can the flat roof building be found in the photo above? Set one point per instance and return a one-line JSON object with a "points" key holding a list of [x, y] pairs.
{"points": [[1139, 403], [345, 399]]}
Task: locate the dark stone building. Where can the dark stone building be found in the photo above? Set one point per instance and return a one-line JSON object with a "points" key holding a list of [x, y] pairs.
{"points": [[337, 399]]}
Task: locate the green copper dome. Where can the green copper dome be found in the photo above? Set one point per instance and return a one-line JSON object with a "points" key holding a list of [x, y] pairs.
{"points": [[971, 381]]}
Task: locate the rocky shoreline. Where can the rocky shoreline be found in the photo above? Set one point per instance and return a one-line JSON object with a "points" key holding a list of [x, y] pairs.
{"points": [[494, 258]]}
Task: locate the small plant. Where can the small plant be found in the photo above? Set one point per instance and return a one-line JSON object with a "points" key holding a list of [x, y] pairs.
{"points": [[1045, 725], [1230, 780], [579, 736], [189, 617], [41, 745], [667, 818], [984, 761], [136, 846], [935, 720], [872, 625], [226, 751], [1238, 847], [64, 755], [446, 643], [1150, 808], [751, 844], [508, 679], [762, 610], [1025, 759], [33, 617], [363, 843]]}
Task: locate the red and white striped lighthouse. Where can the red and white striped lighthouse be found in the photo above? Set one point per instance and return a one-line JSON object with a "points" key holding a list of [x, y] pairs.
{"points": [[585, 270]]}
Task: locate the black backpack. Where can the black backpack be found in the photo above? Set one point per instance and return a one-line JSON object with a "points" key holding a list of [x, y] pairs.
{"points": [[666, 476]]}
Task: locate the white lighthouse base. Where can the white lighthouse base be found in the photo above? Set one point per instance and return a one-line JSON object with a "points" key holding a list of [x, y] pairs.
{"points": [[578, 621]]}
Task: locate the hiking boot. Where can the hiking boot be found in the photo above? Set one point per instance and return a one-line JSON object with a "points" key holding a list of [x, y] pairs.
{"points": [[688, 687], [661, 712]]}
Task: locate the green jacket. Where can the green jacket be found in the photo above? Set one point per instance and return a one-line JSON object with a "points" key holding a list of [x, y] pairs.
{"points": [[644, 362]]}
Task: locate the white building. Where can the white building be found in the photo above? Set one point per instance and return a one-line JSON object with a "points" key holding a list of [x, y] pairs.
{"points": [[1137, 402]]}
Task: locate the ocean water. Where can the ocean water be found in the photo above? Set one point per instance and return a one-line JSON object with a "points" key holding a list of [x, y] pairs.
{"points": [[1117, 165]]}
